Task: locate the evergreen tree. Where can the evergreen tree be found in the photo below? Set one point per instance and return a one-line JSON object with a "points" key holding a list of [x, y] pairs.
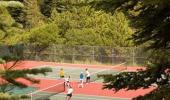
{"points": [[150, 18], [10, 60], [85, 26], [8, 26], [33, 16], [9, 72]]}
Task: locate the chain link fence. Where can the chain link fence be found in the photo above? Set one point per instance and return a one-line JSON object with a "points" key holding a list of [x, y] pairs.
{"points": [[85, 54], [79, 54]]}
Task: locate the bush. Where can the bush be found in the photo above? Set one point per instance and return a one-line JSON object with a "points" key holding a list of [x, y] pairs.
{"points": [[24, 96], [5, 96]]}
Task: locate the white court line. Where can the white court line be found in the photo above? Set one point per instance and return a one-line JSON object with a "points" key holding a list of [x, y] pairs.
{"points": [[77, 97], [48, 66], [107, 69], [92, 97], [46, 88], [56, 78], [102, 96], [111, 67], [56, 67], [88, 97], [53, 78]]}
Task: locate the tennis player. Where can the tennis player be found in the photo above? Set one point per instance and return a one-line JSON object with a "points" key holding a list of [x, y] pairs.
{"points": [[67, 81], [69, 92], [81, 80], [61, 73], [87, 76]]}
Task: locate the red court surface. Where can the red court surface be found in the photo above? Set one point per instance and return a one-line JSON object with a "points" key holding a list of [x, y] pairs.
{"points": [[88, 89], [33, 64], [94, 89]]}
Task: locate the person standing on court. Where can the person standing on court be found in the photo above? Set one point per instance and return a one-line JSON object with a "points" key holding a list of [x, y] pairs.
{"points": [[87, 73], [61, 73], [81, 80], [67, 81], [69, 92]]}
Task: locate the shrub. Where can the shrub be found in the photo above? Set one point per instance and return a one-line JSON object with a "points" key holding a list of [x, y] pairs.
{"points": [[6, 96]]}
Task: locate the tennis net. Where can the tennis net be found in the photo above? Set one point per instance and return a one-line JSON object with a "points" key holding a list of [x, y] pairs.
{"points": [[45, 93], [113, 70]]}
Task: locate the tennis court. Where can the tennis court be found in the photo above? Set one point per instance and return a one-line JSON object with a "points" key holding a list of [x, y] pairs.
{"points": [[51, 87], [53, 92], [75, 97], [74, 72]]}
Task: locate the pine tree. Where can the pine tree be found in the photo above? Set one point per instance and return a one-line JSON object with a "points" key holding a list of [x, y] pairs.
{"points": [[33, 16], [79, 24], [150, 18], [8, 72]]}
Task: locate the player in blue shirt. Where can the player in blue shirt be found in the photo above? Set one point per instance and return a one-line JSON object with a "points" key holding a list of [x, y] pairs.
{"points": [[81, 80]]}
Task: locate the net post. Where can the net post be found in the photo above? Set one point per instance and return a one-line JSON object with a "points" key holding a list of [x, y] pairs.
{"points": [[64, 86], [31, 96]]}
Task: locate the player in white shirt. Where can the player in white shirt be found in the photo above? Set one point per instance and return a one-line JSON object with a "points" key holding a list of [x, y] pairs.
{"points": [[87, 73], [67, 81], [69, 92]]}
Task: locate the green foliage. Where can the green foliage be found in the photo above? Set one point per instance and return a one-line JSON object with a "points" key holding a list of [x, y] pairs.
{"points": [[5, 17], [160, 56], [2, 61], [6, 87], [78, 25], [14, 74], [33, 16], [14, 4], [46, 7], [18, 15], [141, 79], [44, 35], [149, 17], [9, 74], [151, 21], [5, 96], [8, 26], [82, 37], [24, 96]]}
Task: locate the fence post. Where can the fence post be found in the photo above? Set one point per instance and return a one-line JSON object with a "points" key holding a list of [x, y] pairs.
{"points": [[112, 56], [133, 53], [54, 52], [93, 54], [73, 53]]}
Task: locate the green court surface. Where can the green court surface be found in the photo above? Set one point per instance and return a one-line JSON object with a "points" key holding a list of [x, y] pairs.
{"points": [[20, 91], [84, 97], [74, 72], [74, 97]]}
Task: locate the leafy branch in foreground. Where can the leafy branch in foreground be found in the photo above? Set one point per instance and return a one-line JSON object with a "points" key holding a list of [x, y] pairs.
{"points": [[150, 20], [158, 76], [9, 73], [135, 80]]}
